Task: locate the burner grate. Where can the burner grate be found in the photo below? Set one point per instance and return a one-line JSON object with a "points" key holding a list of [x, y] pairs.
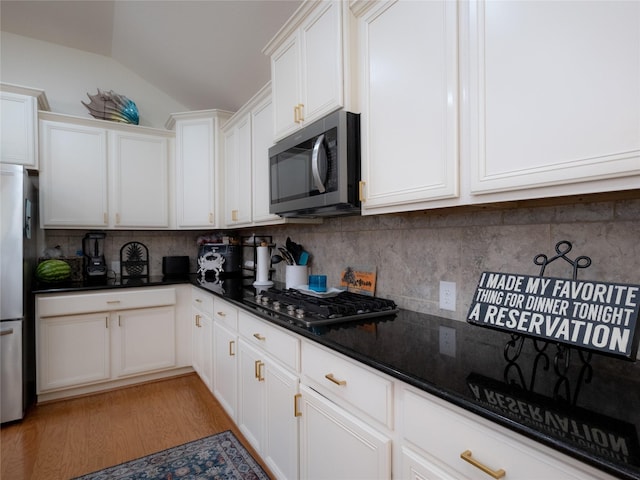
{"points": [[342, 306]]}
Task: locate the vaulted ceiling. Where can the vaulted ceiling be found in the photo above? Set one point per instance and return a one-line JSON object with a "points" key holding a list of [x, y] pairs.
{"points": [[204, 54]]}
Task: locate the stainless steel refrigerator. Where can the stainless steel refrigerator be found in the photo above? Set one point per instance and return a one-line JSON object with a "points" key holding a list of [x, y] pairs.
{"points": [[18, 259]]}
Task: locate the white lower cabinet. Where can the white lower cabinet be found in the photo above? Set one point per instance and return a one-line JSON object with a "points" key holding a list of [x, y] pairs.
{"points": [[93, 341], [267, 394], [336, 444], [225, 378], [443, 434], [202, 336], [225, 358], [144, 340], [73, 350], [346, 418]]}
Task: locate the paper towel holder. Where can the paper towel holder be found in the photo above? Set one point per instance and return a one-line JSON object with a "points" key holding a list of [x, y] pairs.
{"points": [[253, 243]]}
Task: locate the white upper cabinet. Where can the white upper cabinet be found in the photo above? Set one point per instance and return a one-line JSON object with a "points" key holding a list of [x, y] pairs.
{"points": [[73, 176], [551, 97], [237, 172], [409, 97], [19, 124], [93, 175], [310, 73], [198, 158], [261, 141], [140, 185], [479, 102], [247, 137]]}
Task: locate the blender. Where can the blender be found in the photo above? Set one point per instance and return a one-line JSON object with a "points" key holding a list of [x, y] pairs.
{"points": [[95, 266]]}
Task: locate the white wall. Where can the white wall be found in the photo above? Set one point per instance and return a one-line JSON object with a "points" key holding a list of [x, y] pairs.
{"points": [[67, 75]]}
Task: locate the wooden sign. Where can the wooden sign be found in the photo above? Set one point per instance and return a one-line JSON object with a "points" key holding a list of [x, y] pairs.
{"points": [[359, 279], [590, 315]]}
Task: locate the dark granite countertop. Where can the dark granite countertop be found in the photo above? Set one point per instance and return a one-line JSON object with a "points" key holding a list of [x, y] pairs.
{"points": [[586, 406]]}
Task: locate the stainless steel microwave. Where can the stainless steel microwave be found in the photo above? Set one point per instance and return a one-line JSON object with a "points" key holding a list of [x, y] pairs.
{"points": [[315, 172]]}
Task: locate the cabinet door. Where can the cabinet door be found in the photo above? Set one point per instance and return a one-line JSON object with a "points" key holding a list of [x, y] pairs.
{"points": [[251, 395], [18, 124], [73, 350], [73, 175], [335, 444], [285, 83], [195, 173], [281, 440], [145, 340], [321, 62], [552, 102], [225, 368], [139, 179], [266, 410], [202, 331], [262, 140], [237, 161], [409, 89]]}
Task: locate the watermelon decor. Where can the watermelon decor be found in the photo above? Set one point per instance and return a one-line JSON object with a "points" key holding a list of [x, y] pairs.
{"points": [[53, 270]]}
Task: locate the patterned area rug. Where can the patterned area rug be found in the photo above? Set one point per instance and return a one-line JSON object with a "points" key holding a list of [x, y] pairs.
{"points": [[219, 456]]}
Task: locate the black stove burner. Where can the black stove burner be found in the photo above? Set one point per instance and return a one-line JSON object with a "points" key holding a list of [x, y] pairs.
{"points": [[309, 310]]}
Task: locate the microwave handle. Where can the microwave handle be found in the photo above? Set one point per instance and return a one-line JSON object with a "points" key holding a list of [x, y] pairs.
{"points": [[319, 155]]}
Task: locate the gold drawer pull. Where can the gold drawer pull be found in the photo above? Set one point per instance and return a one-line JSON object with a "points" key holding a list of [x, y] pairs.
{"points": [[466, 456], [198, 321], [222, 314], [296, 412], [258, 370], [113, 301], [259, 337], [232, 343], [331, 378]]}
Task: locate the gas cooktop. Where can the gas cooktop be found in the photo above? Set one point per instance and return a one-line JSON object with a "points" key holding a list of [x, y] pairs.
{"points": [[309, 310]]}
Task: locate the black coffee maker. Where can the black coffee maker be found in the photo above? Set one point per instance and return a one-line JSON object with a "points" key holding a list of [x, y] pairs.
{"points": [[95, 266]]}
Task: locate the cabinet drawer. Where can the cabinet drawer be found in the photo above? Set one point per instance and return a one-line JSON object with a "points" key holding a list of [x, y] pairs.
{"points": [[444, 434], [202, 300], [117, 299], [336, 376], [276, 342], [225, 313]]}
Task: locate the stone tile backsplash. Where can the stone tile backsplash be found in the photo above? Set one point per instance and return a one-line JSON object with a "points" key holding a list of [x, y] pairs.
{"points": [[413, 252]]}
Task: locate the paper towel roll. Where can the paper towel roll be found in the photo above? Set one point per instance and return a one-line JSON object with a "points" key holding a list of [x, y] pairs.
{"points": [[262, 266]]}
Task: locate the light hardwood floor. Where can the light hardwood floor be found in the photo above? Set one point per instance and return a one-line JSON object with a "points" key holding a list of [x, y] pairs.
{"points": [[61, 440]]}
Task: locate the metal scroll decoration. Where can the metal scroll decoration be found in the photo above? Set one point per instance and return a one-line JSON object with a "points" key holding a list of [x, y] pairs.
{"points": [[134, 261], [112, 106], [588, 315]]}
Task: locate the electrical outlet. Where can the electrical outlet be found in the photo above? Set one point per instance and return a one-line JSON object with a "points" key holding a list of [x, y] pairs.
{"points": [[447, 341], [448, 296]]}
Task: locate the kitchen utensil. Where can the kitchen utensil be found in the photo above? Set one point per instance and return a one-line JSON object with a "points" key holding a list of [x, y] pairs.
{"points": [[295, 250], [304, 258], [276, 259], [287, 256]]}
